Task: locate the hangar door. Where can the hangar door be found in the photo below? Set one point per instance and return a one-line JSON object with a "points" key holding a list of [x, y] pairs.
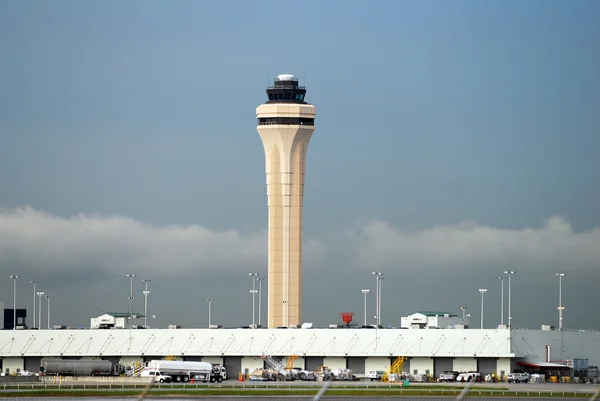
{"points": [[313, 362], [486, 366], [113, 359], [441, 365], [194, 358], [356, 364], [233, 364], [33, 363]]}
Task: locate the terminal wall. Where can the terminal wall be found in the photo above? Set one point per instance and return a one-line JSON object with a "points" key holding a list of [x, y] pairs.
{"points": [[248, 342], [250, 363], [131, 360], [504, 367], [215, 360], [419, 365], [530, 345], [12, 365], [465, 364], [335, 362]]}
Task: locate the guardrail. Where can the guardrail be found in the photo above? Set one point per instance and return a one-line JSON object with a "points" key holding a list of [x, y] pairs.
{"points": [[421, 390]]}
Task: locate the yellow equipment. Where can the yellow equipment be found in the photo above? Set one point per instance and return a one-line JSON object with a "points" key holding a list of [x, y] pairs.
{"points": [[290, 361], [396, 368]]}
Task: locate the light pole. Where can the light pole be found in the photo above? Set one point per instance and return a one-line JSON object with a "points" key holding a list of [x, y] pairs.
{"points": [[49, 297], [39, 294], [253, 292], [379, 302], [15, 278], [131, 297], [33, 320], [510, 273], [365, 292], [482, 291], [560, 305], [377, 295], [260, 280], [146, 293], [209, 300], [502, 278]]}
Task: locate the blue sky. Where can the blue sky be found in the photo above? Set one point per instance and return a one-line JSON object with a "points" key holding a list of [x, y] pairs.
{"points": [[429, 114]]}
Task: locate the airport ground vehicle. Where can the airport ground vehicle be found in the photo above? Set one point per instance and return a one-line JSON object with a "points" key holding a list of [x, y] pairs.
{"points": [[79, 367], [159, 377], [448, 376], [517, 378], [183, 371], [375, 375], [468, 376]]}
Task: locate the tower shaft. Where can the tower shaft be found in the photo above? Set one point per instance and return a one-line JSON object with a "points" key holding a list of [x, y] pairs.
{"points": [[285, 130]]}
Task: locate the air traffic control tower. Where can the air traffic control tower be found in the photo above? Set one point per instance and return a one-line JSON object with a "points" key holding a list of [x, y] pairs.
{"points": [[285, 124]]}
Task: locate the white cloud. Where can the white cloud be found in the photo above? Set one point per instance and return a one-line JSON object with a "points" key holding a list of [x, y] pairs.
{"points": [[471, 244], [29, 237]]}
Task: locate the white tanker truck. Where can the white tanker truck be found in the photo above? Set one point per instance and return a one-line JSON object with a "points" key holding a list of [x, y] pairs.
{"points": [[184, 371]]}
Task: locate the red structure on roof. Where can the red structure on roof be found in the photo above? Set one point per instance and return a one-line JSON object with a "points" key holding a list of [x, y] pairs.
{"points": [[347, 317]]}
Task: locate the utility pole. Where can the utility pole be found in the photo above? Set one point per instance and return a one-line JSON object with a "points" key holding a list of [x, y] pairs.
{"points": [[33, 320], [146, 293], [365, 291]]}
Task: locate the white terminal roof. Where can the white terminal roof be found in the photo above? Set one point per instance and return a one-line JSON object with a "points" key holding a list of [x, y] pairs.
{"points": [[286, 77]]}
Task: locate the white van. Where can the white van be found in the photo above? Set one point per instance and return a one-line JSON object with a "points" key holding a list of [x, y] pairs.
{"points": [[375, 374], [159, 377]]}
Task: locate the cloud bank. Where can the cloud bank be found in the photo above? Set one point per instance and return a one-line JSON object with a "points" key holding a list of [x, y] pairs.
{"points": [[33, 238]]}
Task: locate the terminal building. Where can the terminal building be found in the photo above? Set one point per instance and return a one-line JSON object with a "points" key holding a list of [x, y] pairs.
{"points": [[428, 351]]}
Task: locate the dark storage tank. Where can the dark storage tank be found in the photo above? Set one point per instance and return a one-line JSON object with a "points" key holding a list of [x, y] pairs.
{"points": [[81, 367]]}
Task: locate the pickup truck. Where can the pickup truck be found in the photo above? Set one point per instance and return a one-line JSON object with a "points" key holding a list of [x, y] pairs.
{"points": [[448, 376]]}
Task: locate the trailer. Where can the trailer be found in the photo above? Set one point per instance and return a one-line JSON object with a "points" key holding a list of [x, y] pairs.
{"points": [[183, 371], [78, 367]]}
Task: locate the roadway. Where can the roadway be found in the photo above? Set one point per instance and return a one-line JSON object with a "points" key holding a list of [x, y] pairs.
{"points": [[297, 398]]}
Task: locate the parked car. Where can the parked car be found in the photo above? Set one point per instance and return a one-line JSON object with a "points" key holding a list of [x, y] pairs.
{"points": [[25, 373]]}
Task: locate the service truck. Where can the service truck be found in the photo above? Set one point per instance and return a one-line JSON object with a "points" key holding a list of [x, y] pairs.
{"points": [[183, 371]]}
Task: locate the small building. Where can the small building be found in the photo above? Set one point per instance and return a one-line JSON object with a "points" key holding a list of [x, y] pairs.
{"points": [[433, 320], [7, 319], [112, 320]]}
